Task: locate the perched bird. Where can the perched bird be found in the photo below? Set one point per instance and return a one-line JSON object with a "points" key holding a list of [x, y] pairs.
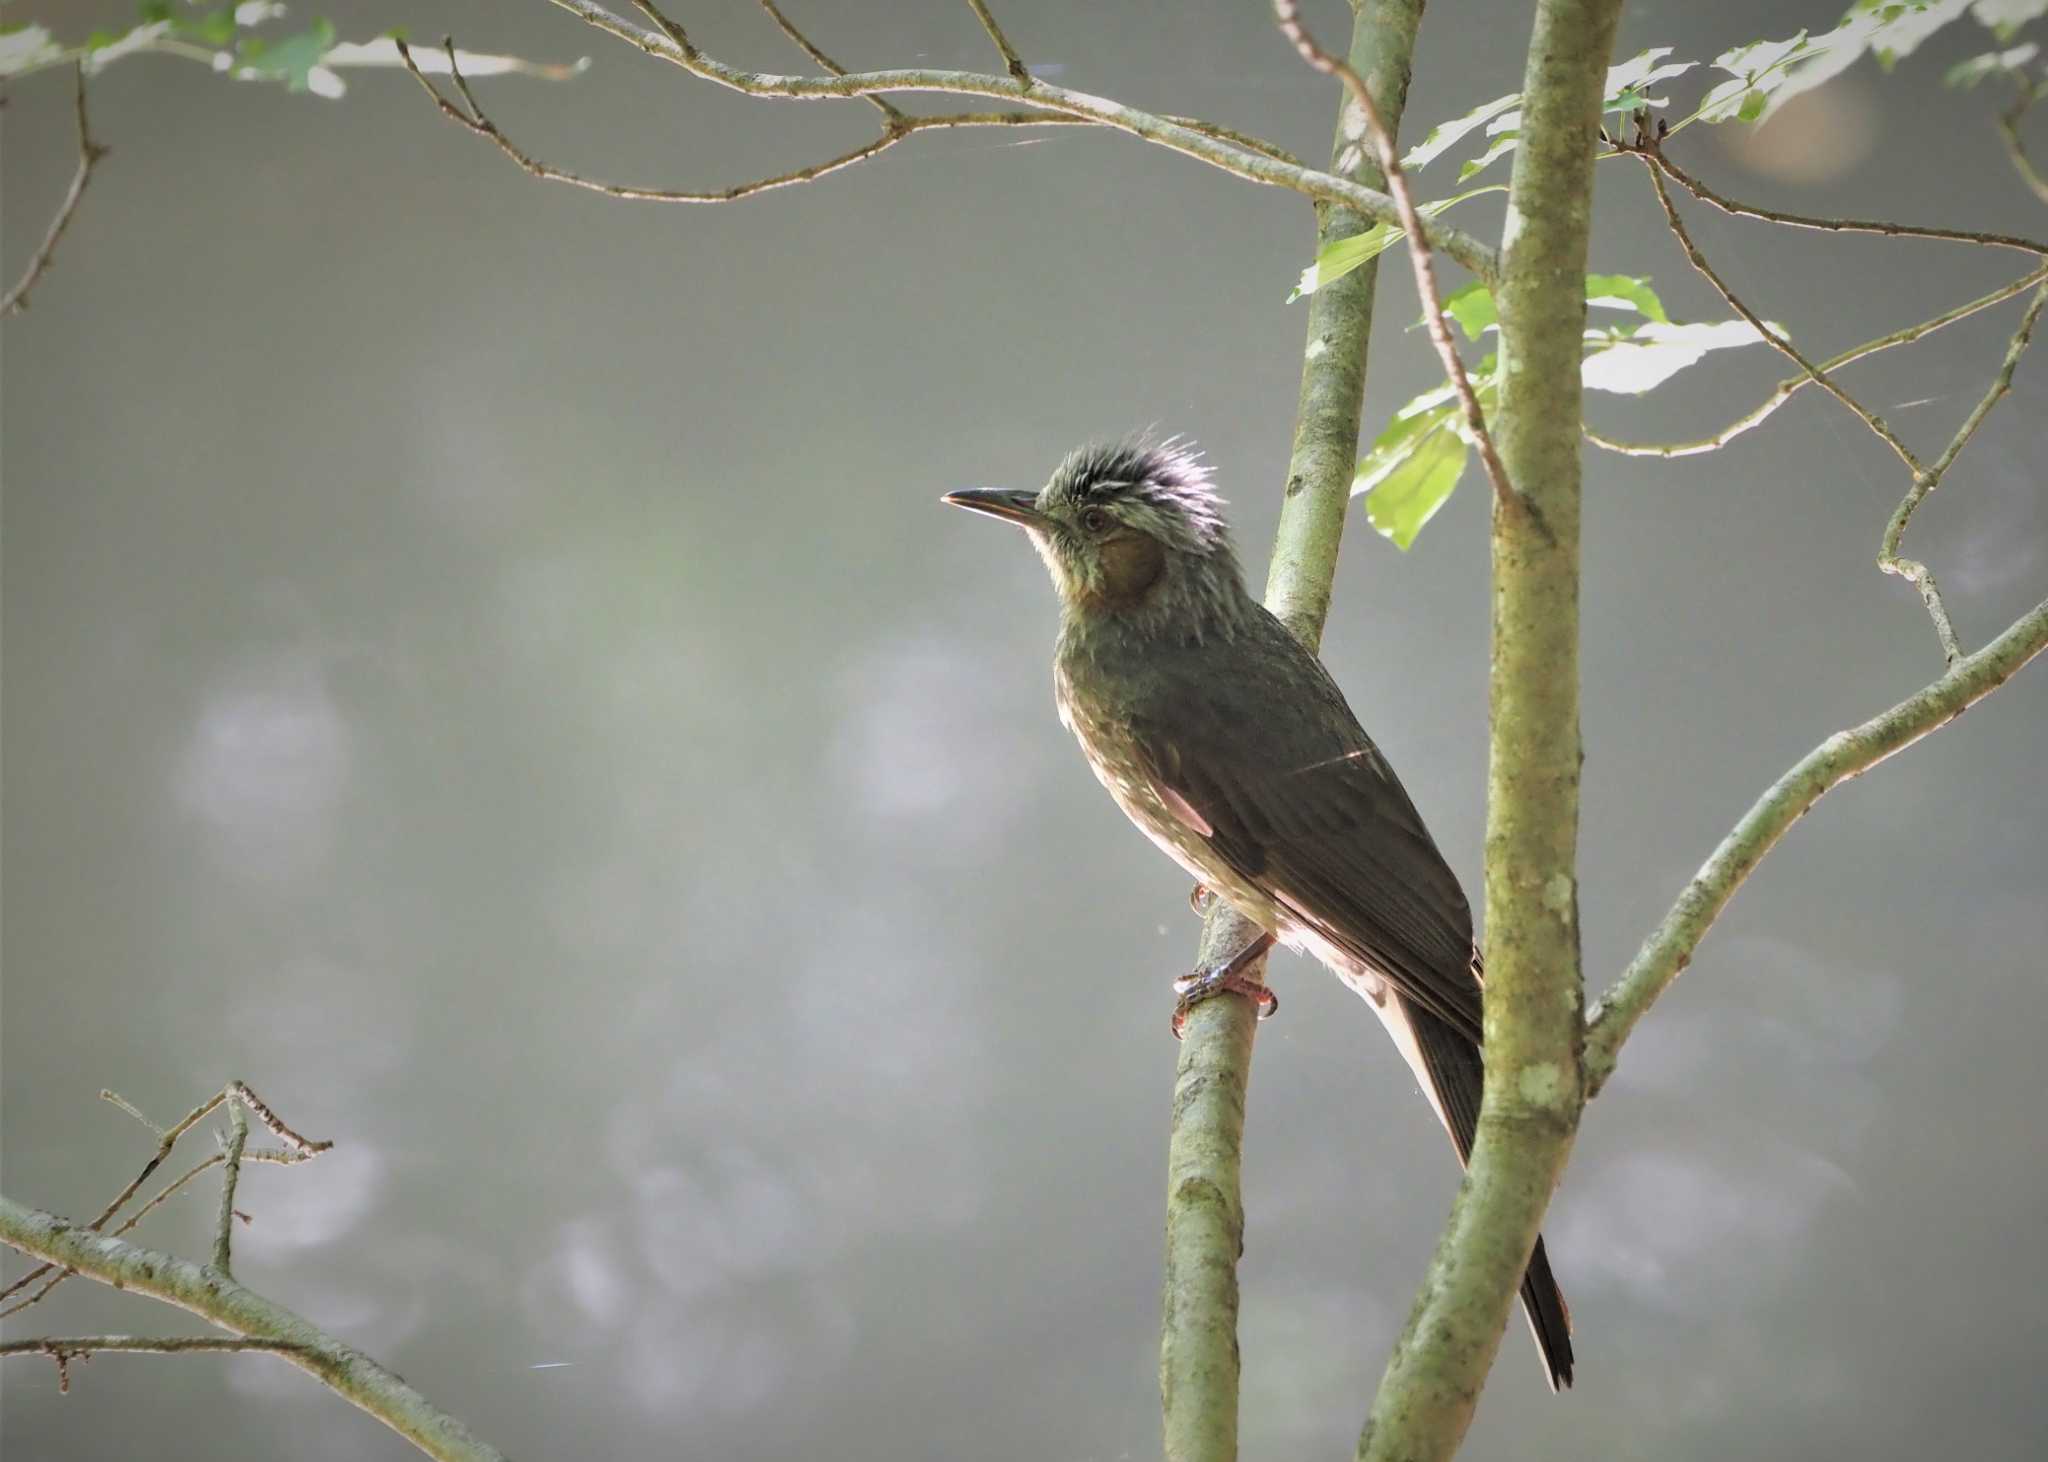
{"points": [[1228, 744]]}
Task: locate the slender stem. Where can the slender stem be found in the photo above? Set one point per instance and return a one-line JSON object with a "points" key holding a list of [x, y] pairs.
{"points": [[1912, 570], [217, 1297], [89, 155], [1656, 165], [2015, 145], [1669, 947], [1533, 1095], [1198, 1363], [898, 127], [670, 43], [231, 1174], [1726, 204], [803, 43], [1011, 59], [1787, 388], [1288, 14]]}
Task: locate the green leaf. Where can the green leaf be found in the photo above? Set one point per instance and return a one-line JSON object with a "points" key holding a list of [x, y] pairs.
{"points": [[1338, 258], [2003, 18], [1445, 135], [149, 12], [1405, 499], [1500, 147], [215, 28], [290, 60], [1658, 351], [1471, 305], [1767, 74], [27, 48], [1628, 292], [1966, 74]]}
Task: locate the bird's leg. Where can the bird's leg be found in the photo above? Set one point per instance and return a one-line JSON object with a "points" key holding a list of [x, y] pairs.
{"points": [[1214, 979], [1199, 899]]}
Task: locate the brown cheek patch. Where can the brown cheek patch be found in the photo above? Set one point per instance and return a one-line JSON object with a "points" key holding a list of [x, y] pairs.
{"points": [[1130, 565]]}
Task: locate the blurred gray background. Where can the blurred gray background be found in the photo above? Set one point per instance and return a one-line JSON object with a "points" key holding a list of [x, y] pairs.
{"points": [[486, 664]]}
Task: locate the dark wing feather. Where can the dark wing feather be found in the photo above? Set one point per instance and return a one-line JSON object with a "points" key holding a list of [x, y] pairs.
{"points": [[1457, 1076], [1298, 802]]}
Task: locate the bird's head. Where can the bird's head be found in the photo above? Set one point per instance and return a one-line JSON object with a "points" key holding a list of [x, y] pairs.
{"points": [[1130, 528]]}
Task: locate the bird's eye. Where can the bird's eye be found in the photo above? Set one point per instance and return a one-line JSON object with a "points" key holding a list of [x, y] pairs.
{"points": [[1096, 520]]}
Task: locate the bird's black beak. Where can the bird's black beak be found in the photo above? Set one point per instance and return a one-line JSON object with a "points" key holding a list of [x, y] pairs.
{"points": [[1020, 508]]}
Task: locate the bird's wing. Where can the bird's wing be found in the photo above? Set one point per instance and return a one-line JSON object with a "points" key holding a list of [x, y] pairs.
{"points": [[1296, 799]]}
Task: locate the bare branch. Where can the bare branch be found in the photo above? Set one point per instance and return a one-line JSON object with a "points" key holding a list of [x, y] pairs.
{"points": [[224, 1226], [224, 1301], [895, 130], [1646, 147], [1288, 14], [1706, 194], [1788, 387], [89, 155], [65, 1349], [2015, 145], [803, 43], [1670, 946], [167, 1138], [1259, 163], [1011, 59], [1912, 571]]}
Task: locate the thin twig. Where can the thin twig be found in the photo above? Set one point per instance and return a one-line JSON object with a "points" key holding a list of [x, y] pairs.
{"points": [[1918, 574], [1011, 59], [1215, 146], [1669, 947], [255, 1154], [2015, 145], [89, 155], [167, 1139], [899, 126], [1706, 194], [1288, 14], [231, 1174], [1787, 388], [803, 43], [1646, 148], [225, 1302], [65, 1349]]}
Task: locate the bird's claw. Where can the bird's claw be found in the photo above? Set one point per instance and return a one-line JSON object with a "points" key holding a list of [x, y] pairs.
{"points": [[1200, 897], [1213, 980]]}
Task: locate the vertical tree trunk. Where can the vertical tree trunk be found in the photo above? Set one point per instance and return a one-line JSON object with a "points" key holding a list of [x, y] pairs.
{"points": [[1534, 999], [1198, 1359]]}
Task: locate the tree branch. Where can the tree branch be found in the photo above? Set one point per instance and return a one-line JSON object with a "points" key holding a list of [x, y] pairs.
{"points": [[898, 127], [65, 1349], [231, 1174], [1646, 147], [89, 155], [1669, 947], [2015, 145], [1288, 14], [167, 1138], [803, 43], [1199, 1360], [1788, 387], [215, 1296], [1911, 570], [1533, 1094], [1221, 148], [1011, 59], [1726, 204]]}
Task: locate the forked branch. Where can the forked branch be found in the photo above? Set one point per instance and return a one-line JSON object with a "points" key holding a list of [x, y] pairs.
{"points": [[1288, 14], [89, 155]]}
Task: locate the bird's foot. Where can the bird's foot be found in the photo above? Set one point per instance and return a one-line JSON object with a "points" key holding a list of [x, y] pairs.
{"points": [[1200, 898], [1229, 975]]}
